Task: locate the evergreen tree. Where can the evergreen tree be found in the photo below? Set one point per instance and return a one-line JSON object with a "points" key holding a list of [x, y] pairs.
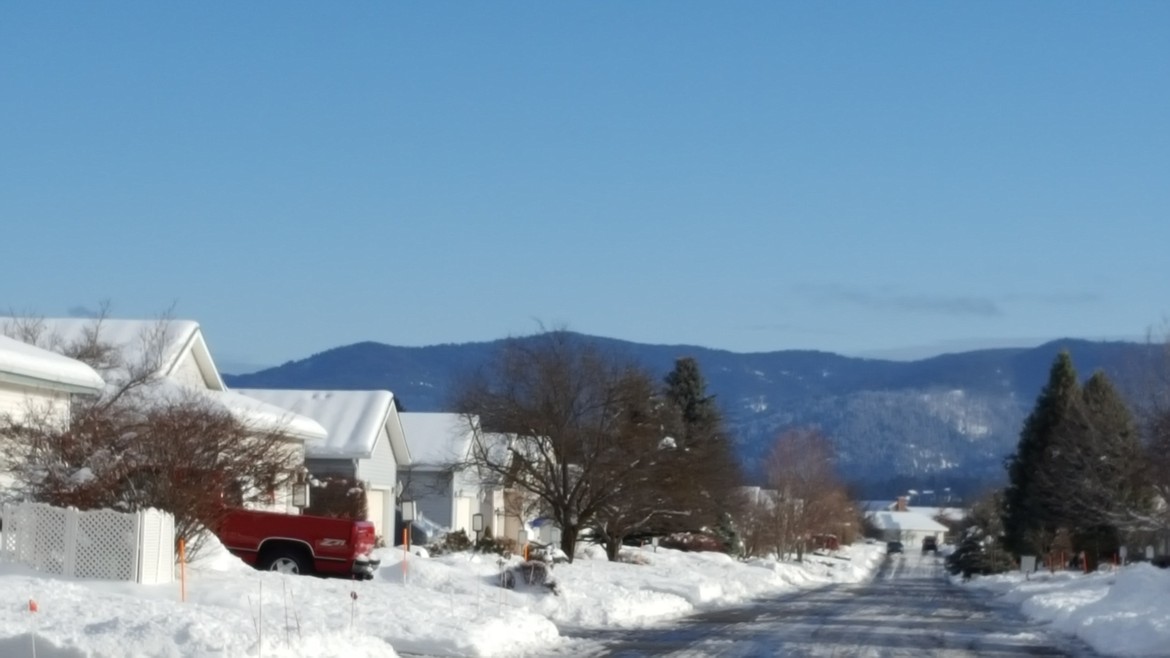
{"points": [[1099, 489], [712, 472], [686, 389], [1029, 521]]}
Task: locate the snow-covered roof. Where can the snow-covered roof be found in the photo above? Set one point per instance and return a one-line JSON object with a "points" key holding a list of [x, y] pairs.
{"points": [[949, 513], [272, 417], [437, 439], [131, 337], [888, 520], [353, 420], [260, 414], [42, 368]]}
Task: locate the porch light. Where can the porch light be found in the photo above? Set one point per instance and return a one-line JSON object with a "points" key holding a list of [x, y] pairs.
{"points": [[300, 492]]}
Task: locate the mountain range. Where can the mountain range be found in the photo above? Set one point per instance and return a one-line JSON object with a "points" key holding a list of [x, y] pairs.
{"points": [[945, 422]]}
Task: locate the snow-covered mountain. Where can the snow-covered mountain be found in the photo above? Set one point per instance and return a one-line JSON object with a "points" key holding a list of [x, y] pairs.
{"points": [[943, 421]]}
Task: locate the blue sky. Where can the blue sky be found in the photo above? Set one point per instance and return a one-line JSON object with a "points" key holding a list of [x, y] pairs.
{"points": [[752, 176]]}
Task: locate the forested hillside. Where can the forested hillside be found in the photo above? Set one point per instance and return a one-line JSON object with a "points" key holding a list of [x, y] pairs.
{"points": [[944, 421]]}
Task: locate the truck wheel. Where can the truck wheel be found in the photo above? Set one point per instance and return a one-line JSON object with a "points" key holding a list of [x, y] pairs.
{"points": [[286, 560]]}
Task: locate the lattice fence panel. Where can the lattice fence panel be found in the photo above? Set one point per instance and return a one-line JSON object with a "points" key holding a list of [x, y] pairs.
{"points": [[47, 550], [106, 545], [100, 544]]}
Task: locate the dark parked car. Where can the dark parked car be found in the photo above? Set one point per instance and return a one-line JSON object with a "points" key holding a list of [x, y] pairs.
{"points": [[930, 545], [894, 547]]}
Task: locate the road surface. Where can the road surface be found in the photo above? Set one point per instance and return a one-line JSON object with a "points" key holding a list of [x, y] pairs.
{"points": [[908, 609]]}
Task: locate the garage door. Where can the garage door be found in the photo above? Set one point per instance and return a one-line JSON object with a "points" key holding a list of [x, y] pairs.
{"points": [[376, 508]]}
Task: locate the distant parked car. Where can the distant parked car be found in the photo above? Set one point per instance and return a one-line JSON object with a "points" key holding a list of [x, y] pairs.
{"points": [[930, 545], [894, 547]]}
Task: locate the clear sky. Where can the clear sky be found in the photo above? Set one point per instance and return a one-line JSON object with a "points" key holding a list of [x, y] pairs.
{"points": [[752, 176]]}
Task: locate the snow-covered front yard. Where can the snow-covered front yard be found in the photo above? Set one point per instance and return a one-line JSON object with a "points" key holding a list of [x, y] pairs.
{"points": [[448, 605], [1119, 613]]}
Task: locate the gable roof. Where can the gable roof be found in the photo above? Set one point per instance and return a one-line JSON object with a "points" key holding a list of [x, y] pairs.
{"points": [[29, 365], [130, 337], [174, 339], [438, 439], [889, 520], [271, 417], [352, 419]]}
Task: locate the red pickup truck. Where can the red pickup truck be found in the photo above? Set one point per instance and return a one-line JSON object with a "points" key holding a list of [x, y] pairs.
{"points": [[292, 543]]}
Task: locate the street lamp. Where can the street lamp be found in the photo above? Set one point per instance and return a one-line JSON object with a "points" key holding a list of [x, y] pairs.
{"points": [[477, 526]]}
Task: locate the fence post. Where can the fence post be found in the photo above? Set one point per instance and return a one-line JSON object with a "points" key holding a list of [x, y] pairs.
{"points": [[138, 555], [69, 564]]}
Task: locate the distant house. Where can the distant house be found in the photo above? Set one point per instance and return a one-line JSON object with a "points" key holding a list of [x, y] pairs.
{"points": [[175, 355], [445, 489], [365, 442], [909, 528]]}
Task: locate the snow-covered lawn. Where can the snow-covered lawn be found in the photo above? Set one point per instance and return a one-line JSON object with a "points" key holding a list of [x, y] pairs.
{"points": [[448, 605], [1119, 613]]}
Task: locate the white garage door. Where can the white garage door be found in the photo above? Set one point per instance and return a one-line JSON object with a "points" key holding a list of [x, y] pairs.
{"points": [[463, 515], [376, 511]]}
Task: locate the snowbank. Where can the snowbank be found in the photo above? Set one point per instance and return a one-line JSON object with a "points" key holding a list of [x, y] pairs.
{"points": [[449, 605], [1118, 613]]}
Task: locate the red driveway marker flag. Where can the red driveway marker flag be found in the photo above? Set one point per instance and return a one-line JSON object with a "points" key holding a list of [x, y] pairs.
{"points": [[32, 606]]}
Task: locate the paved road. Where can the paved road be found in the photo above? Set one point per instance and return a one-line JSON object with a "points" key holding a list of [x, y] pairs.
{"points": [[909, 609]]}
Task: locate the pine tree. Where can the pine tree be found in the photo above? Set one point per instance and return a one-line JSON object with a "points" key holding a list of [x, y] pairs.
{"points": [[711, 468], [1029, 522], [686, 389], [1102, 488]]}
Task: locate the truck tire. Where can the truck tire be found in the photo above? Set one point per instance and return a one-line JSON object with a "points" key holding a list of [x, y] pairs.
{"points": [[286, 559]]}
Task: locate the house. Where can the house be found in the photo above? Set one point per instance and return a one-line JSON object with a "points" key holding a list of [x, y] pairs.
{"points": [[365, 441], [32, 378], [174, 357], [907, 527], [445, 488], [504, 507], [34, 381]]}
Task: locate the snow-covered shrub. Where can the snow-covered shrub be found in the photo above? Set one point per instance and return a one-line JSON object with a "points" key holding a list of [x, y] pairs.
{"points": [[691, 541], [452, 542]]}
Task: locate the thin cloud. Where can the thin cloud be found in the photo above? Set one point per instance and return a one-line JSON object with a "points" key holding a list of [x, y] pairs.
{"points": [[1055, 298], [82, 312], [774, 327], [889, 300]]}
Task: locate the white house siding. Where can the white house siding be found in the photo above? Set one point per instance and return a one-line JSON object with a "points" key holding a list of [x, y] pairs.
{"points": [[16, 401], [380, 469], [187, 371], [380, 473]]}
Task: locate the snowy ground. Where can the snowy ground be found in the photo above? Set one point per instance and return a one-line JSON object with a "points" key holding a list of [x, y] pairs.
{"points": [[448, 606], [1118, 613]]}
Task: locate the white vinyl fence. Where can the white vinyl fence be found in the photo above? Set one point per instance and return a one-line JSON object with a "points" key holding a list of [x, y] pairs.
{"points": [[100, 545]]}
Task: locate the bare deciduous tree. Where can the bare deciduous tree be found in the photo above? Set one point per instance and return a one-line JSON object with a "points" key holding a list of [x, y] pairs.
{"points": [[808, 497], [585, 437], [144, 442]]}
